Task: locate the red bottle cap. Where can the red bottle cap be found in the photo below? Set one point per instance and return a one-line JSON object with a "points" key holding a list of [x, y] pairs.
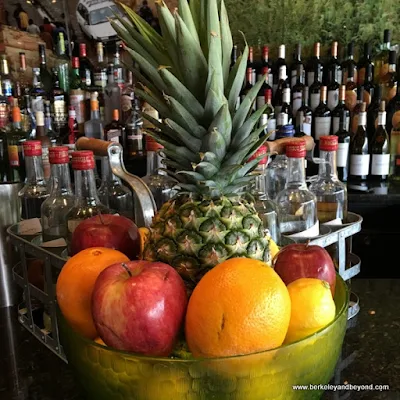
{"points": [[32, 148], [82, 49], [152, 145], [58, 155], [83, 160], [265, 70], [262, 150], [75, 62], [296, 149], [268, 95], [328, 143]]}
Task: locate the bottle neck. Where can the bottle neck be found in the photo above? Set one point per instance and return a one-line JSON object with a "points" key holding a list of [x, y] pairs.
{"points": [[327, 167], [60, 180], [85, 186], [34, 169], [153, 163], [296, 173], [107, 177]]}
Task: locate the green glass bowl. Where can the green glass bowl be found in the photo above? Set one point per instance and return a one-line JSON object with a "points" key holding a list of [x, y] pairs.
{"points": [[109, 374]]}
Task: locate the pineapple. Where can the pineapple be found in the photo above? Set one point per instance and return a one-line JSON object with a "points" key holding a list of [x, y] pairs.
{"points": [[185, 74]]}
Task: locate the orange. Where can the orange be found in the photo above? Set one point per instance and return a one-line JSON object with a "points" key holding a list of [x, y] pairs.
{"points": [[75, 286], [313, 308], [241, 306]]}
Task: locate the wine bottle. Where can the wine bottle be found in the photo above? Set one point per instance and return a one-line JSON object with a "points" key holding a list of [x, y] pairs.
{"points": [[306, 113], [252, 65], [260, 101], [333, 69], [282, 84], [381, 58], [373, 111], [349, 64], [315, 89], [380, 155], [284, 117], [336, 113], [297, 89], [363, 64], [351, 90], [265, 64], [268, 117], [368, 84], [249, 84], [322, 120], [388, 79], [359, 155], [342, 155], [315, 66], [294, 71], [276, 67], [356, 110], [393, 108]]}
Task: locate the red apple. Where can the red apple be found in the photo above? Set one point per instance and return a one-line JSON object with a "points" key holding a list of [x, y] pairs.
{"points": [[300, 260], [139, 306], [107, 230]]}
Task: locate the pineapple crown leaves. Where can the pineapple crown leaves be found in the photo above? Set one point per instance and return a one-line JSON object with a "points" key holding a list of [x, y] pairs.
{"points": [[185, 75]]}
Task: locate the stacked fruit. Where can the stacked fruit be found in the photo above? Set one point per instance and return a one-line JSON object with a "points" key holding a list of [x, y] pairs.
{"points": [[241, 306]]}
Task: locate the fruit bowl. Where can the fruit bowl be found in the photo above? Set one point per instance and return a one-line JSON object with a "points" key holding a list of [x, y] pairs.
{"points": [[105, 373]]}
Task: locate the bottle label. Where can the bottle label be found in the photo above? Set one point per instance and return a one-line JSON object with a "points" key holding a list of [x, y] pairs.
{"points": [[7, 88], [13, 156], [310, 79], [297, 99], [333, 99], [282, 119], [322, 126], [59, 110], [3, 115], [100, 79], [126, 103], [342, 154], [314, 100], [359, 164], [260, 102], [37, 104], [135, 137], [336, 123], [113, 135], [380, 164], [271, 129], [77, 100]]}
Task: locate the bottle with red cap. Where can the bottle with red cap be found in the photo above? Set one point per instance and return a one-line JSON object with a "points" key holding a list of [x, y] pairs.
{"points": [[77, 94], [85, 67], [87, 202], [261, 96], [297, 205], [331, 193], [35, 191], [61, 200], [160, 184], [268, 119]]}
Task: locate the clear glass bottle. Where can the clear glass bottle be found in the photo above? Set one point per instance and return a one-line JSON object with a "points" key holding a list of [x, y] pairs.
{"points": [[94, 127], [55, 208], [112, 98], [87, 203], [330, 192], [113, 193], [35, 191], [45, 142], [160, 184], [297, 205], [37, 93]]}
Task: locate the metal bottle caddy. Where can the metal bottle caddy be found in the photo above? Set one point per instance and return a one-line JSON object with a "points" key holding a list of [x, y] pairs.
{"points": [[29, 247]]}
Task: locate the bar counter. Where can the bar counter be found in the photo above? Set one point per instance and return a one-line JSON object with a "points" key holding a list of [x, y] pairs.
{"points": [[371, 353]]}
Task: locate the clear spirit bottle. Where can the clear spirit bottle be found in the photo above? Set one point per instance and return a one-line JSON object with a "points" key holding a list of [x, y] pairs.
{"points": [[94, 127], [55, 208], [112, 95]]}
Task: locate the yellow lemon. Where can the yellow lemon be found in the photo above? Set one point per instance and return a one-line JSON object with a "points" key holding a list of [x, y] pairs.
{"points": [[312, 308]]}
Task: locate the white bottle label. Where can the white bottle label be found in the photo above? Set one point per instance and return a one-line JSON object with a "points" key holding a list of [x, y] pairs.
{"points": [[322, 126], [297, 98], [307, 121], [380, 164], [260, 102], [135, 137], [37, 104], [333, 99], [336, 122], [314, 101], [282, 119], [342, 154], [310, 78], [359, 164], [113, 135], [272, 128]]}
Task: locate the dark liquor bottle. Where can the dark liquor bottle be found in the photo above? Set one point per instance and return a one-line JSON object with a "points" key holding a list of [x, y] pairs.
{"points": [[282, 85], [333, 68], [342, 155], [369, 86], [315, 67], [247, 87], [380, 151], [382, 57], [297, 89], [85, 67], [356, 111], [322, 120], [251, 64], [351, 89], [35, 191], [284, 116], [114, 131], [260, 101], [59, 106], [265, 65], [359, 155], [294, 71], [268, 118], [349, 64], [388, 79], [336, 113], [315, 88], [48, 124], [276, 68], [306, 112], [37, 94], [77, 94], [373, 111], [45, 75], [363, 64], [333, 84]]}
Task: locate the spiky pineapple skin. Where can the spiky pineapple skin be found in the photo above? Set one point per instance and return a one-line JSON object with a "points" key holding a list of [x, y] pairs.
{"points": [[194, 234]]}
